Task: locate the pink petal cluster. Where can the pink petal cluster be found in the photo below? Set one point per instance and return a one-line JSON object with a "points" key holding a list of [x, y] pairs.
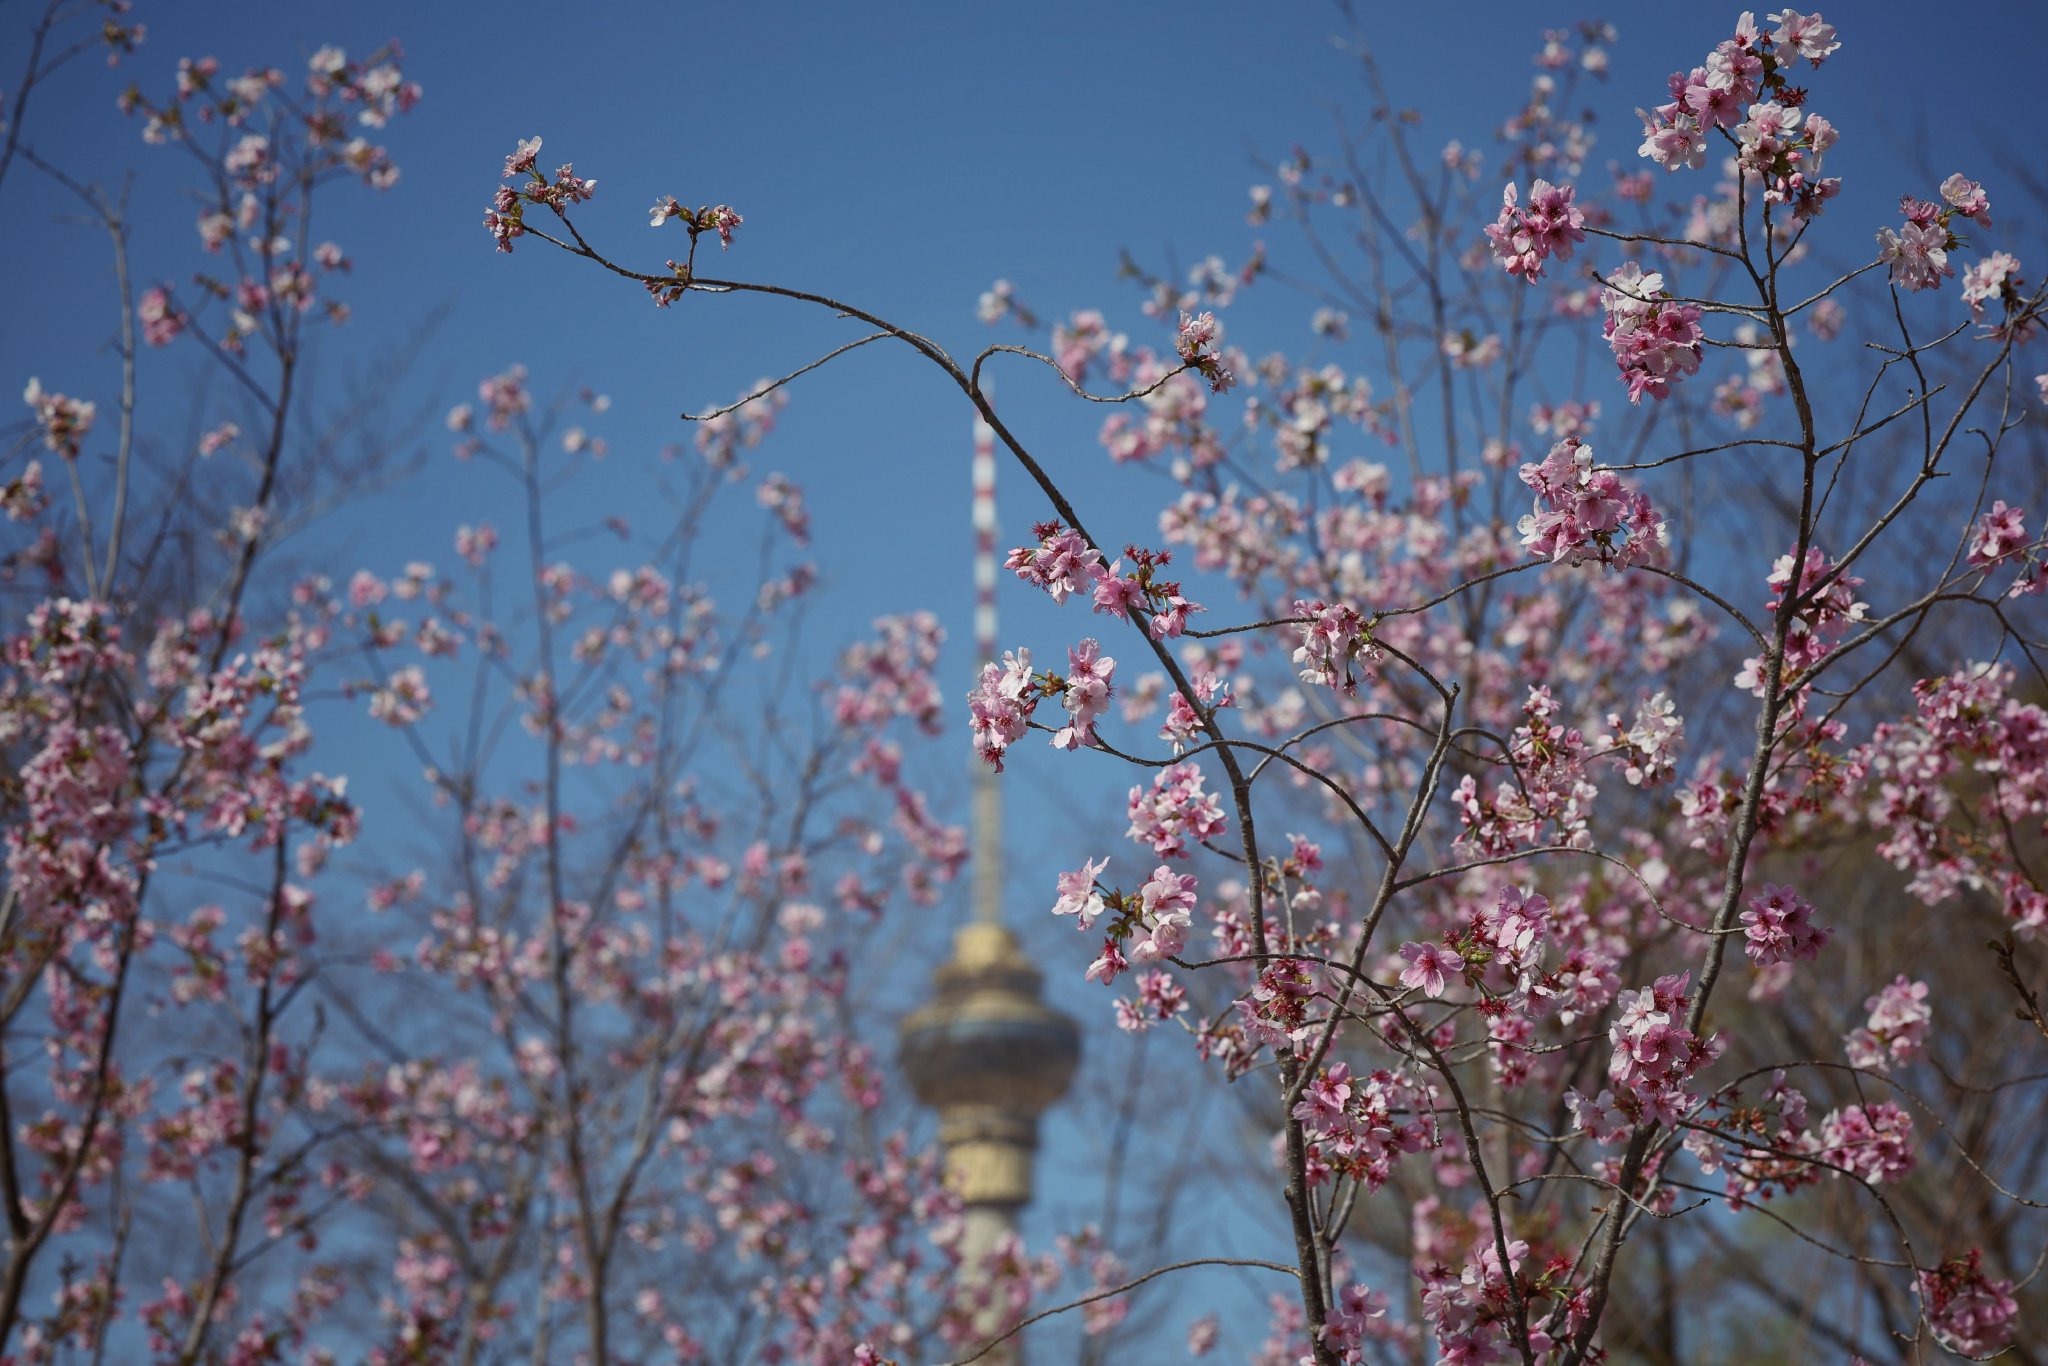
{"points": [[1897, 1028], [1352, 1318], [1159, 999], [1783, 145], [1995, 280], [1166, 904], [1654, 1053], [1333, 637], [1428, 965], [1584, 512], [1141, 592], [161, 318], [1177, 811], [1001, 704], [1079, 895], [1649, 748], [1655, 342], [1998, 533], [1183, 722], [1716, 94], [1085, 696], [1970, 1313], [1061, 563], [1360, 1126], [64, 420], [1874, 1142], [505, 397], [1778, 928], [1825, 610], [1524, 237], [1967, 197], [1471, 1313], [1275, 1012], [720, 218], [1196, 341], [506, 218], [1917, 253]]}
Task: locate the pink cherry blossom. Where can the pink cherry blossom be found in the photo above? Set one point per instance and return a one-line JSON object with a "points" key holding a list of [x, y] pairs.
{"points": [[64, 420], [1655, 341], [1897, 1028], [1524, 238], [1999, 533], [1078, 894], [1086, 695], [1805, 35], [1993, 280], [1969, 1311], [1428, 965], [1917, 254], [1777, 928]]}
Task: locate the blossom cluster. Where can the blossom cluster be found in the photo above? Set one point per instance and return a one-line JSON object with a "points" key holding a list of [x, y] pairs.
{"points": [[1822, 599], [1585, 512], [1472, 1310], [1971, 1313], [374, 88], [63, 420], [1358, 1127], [505, 220], [722, 219], [1149, 925], [1654, 1053], [1778, 927], [1523, 237], [1199, 336], [1999, 537], [1655, 340], [1924, 807], [1721, 92], [1334, 637], [263, 182], [1917, 251], [1176, 811], [1897, 1027], [1996, 280], [1003, 700], [1773, 1147], [1063, 563], [1548, 796]]}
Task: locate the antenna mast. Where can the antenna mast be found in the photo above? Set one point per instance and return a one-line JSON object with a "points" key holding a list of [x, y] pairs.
{"points": [[988, 795]]}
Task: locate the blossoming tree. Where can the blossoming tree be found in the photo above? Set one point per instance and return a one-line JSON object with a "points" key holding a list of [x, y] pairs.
{"points": [[1608, 873], [1461, 889], [579, 1071]]}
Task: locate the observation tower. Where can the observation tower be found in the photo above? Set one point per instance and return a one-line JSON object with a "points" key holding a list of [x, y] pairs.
{"points": [[987, 1052]]}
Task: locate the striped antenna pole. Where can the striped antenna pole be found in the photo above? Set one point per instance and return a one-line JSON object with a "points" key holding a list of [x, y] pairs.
{"points": [[988, 797]]}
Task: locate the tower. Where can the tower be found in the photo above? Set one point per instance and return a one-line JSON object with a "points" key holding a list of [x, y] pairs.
{"points": [[986, 1052]]}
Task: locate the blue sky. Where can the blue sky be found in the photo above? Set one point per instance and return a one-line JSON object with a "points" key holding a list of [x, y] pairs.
{"points": [[902, 157], [899, 156]]}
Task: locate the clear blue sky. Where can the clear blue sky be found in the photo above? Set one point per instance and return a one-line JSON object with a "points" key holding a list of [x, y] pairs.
{"points": [[901, 156]]}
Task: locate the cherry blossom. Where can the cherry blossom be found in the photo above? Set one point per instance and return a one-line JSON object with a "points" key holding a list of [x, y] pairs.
{"points": [[1655, 341], [64, 420], [1086, 695], [1777, 927], [1970, 1312], [1428, 965], [1897, 1028], [1917, 253], [1523, 238]]}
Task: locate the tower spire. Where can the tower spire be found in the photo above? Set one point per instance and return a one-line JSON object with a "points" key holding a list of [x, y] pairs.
{"points": [[986, 1052], [988, 796]]}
